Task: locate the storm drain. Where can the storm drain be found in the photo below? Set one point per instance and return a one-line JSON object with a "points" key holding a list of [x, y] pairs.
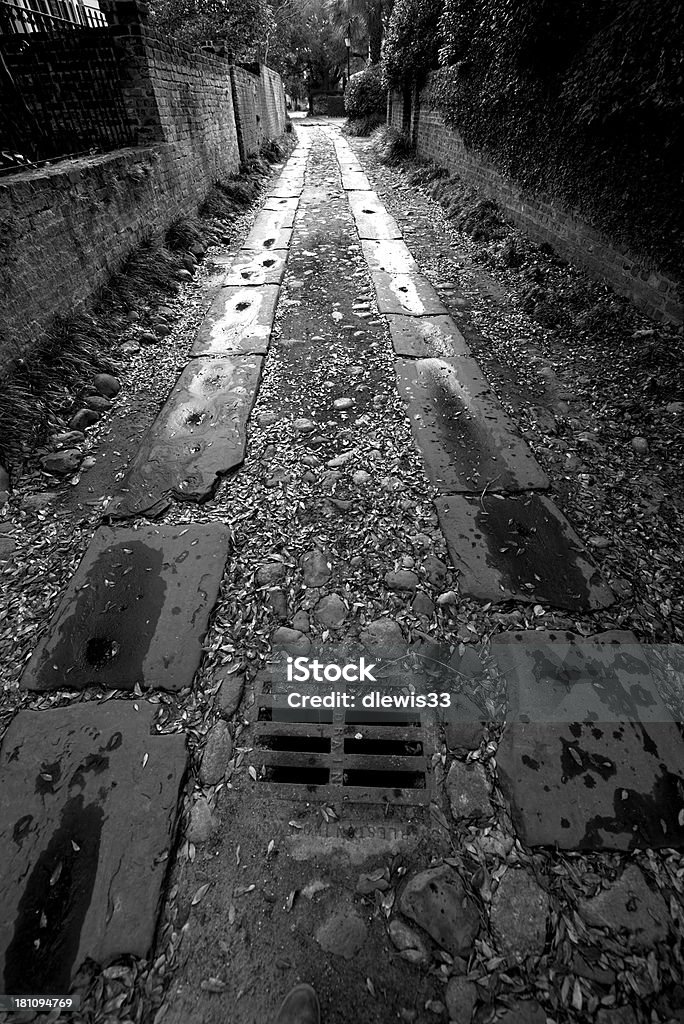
{"points": [[377, 758]]}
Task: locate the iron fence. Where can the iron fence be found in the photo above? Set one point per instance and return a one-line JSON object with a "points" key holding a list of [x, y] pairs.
{"points": [[60, 79]]}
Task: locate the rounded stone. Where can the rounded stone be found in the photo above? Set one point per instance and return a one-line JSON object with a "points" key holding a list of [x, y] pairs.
{"points": [[422, 604], [331, 611], [97, 402], [292, 640], [217, 753], [202, 822], [402, 579], [316, 567], [106, 384], [436, 900], [519, 912], [343, 934], [468, 791], [270, 573], [383, 634], [62, 463], [640, 445], [230, 694], [409, 943], [83, 419], [460, 998]]}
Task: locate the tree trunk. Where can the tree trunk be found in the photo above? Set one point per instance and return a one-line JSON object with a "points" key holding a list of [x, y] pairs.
{"points": [[375, 30]]}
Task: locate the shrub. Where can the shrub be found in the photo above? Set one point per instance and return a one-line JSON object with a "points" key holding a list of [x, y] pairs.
{"points": [[412, 42], [390, 146], [365, 95]]}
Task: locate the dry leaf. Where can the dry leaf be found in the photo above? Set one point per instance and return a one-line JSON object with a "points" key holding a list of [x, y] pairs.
{"points": [[200, 894]]}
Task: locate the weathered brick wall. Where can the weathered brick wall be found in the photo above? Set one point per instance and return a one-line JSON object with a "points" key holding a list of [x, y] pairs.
{"points": [[541, 218], [272, 102], [64, 229], [247, 112]]}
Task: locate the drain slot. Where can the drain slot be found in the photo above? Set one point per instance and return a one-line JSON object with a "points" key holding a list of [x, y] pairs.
{"points": [[372, 758]]}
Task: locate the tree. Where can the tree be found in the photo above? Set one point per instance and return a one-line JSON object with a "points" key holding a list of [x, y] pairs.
{"points": [[365, 20], [239, 26]]}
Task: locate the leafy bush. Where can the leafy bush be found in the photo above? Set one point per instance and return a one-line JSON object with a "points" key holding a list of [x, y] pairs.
{"points": [[365, 94], [412, 42], [390, 146], [581, 102]]}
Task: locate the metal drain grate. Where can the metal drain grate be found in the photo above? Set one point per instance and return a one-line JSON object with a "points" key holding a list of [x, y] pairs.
{"points": [[378, 758]]}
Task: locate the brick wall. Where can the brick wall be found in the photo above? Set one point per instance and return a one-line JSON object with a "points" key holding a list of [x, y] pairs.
{"points": [[272, 102], [538, 216], [247, 112], [65, 228]]}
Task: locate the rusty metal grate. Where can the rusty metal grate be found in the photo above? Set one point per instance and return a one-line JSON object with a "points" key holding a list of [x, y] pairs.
{"points": [[377, 758]]}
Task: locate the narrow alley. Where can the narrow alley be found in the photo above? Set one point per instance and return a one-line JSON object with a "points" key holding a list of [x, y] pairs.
{"points": [[333, 472]]}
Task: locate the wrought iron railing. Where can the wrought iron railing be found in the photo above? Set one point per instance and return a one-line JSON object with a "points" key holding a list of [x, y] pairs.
{"points": [[60, 81]]}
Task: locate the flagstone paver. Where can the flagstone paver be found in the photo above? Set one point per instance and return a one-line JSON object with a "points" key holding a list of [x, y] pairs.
{"points": [[519, 547], [239, 321], [467, 441], [370, 216], [135, 611], [427, 337], [249, 267], [200, 434], [390, 255], [88, 804], [408, 294]]}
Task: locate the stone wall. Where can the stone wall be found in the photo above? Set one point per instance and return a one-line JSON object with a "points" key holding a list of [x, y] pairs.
{"points": [[65, 228], [540, 217], [272, 102]]}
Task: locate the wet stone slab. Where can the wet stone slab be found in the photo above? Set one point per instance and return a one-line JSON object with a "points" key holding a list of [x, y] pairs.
{"points": [[427, 337], [407, 294], [389, 255], [88, 804], [135, 611], [371, 218], [467, 441], [612, 774], [519, 547], [271, 221], [262, 240], [200, 434], [275, 203], [355, 181], [239, 321], [256, 268], [558, 676]]}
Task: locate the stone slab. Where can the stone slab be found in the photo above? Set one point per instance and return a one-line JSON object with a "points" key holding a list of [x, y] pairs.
{"points": [[268, 240], [239, 322], [88, 804], [371, 218], [135, 611], [407, 294], [558, 676], [287, 189], [249, 268], [355, 181], [274, 220], [200, 434], [466, 439], [427, 337], [276, 203], [579, 786], [519, 547], [389, 255]]}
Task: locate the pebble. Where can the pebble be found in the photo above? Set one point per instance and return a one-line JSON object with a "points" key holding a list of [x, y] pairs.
{"points": [[106, 384], [184, 275], [62, 463], [640, 445], [410, 944], [447, 598], [599, 542], [148, 338], [311, 460], [340, 460], [97, 402], [422, 604], [130, 347], [629, 904], [83, 418], [292, 640], [468, 791], [402, 579], [460, 998], [437, 901], [277, 602], [518, 916], [217, 754], [382, 633], [343, 934], [230, 694], [162, 330], [361, 478], [343, 403], [316, 567], [301, 622], [267, 418], [435, 570], [202, 822], [270, 573], [331, 611], [88, 463], [68, 438], [303, 425]]}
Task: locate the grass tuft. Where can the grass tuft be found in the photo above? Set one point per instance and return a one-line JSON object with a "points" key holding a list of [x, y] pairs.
{"points": [[390, 146]]}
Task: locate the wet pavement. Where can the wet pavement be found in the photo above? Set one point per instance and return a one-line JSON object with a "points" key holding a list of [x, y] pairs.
{"points": [[331, 465]]}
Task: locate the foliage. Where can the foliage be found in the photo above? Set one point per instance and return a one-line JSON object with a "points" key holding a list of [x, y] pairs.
{"points": [[365, 94], [390, 146], [363, 21], [238, 26], [581, 101], [412, 43]]}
